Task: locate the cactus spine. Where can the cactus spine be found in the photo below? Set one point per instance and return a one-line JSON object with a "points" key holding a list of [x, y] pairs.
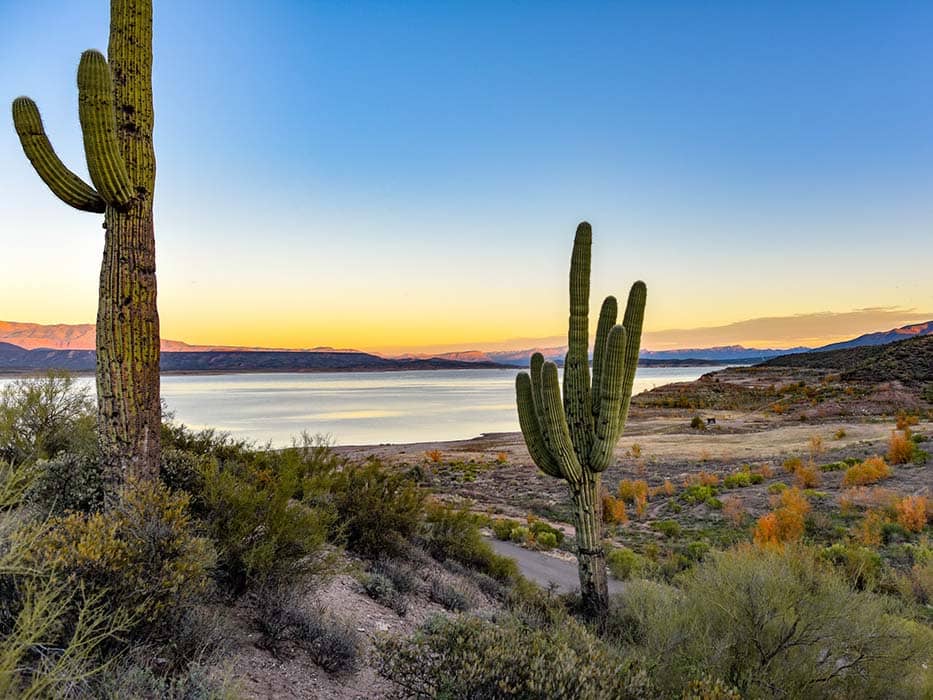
{"points": [[574, 439], [116, 116]]}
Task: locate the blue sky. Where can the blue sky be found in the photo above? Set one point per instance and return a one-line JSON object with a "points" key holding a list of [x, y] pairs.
{"points": [[400, 175]]}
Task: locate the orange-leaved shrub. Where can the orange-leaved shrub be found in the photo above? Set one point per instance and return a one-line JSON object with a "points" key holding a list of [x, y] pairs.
{"points": [[912, 512], [900, 447], [614, 512], [871, 471], [807, 476], [786, 522]]}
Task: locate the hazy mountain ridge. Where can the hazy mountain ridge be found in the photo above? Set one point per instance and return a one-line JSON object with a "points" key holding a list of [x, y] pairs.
{"points": [[16, 359], [907, 360], [80, 338]]}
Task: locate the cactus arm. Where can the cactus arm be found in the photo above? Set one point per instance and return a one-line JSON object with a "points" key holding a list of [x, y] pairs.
{"points": [[99, 127], [531, 429], [577, 404], [607, 319], [557, 430], [610, 391], [65, 185], [633, 320]]}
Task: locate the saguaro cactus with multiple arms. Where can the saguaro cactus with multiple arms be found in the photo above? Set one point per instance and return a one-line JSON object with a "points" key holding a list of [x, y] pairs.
{"points": [[116, 115], [574, 439]]}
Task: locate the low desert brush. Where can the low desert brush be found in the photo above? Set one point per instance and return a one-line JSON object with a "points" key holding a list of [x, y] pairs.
{"points": [[871, 471]]}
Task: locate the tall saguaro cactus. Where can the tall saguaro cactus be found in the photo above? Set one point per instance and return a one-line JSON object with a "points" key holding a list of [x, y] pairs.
{"points": [[574, 439], [116, 115]]}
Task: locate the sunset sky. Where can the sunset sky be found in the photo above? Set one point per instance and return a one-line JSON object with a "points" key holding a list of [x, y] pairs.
{"points": [[408, 175]]}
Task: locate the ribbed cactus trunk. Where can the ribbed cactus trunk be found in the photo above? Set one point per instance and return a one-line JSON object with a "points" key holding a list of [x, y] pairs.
{"points": [[116, 115], [574, 439]]}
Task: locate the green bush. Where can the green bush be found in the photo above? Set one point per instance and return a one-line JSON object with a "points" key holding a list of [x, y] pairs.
{"points": [[141, 557], [67, 482], [624, 564], [668, 528], [378, 510], [447, 595], [764, 618], [454, 534], [546, 540], [262, 534], [861, 566], [502, 528], [381, 589], [698, 493], [697, 423], [520, 534], [834, 467], [41, 417], [539, 527], [738, 480], [466, 657]]}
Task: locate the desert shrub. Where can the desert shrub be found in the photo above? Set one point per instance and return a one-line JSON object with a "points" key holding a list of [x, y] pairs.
{"points": [[624, 564], [279, 617], [916, 586], [455, 534], [333, 643], [539, 527], [67, 482], [182, 471], [900, 447], [41, 417], [839, 434], [466, 657], [16, 481], [377, 509], [668, 528], [54, 644], [697, 423], [263, 535], [133, 679], [786, 522], [871, 471], [142, 557], [400, 572], [869, 530], [634, 612], [769, 620], [807, 476], [698, 493], [912, 513], [614, 512], [833, 467], [792, 464], [734, 511], [434, 456], [777, 487], [381, 589], [631, 490], [697, 550], [502, 528], [861, 566], [520, 534], [445, 594], [546, 540], [737, 480]]}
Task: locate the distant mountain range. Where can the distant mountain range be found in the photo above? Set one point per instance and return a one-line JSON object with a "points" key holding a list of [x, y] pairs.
{"points": [[25, 346], [908, 359], [16, 359]]}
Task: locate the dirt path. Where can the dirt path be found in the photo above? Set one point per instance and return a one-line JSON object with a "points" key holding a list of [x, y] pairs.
{"points": [[545, 570]]}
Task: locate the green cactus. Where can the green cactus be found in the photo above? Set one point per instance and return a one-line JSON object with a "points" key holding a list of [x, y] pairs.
{"points": [[116, 116], [574, 439]]}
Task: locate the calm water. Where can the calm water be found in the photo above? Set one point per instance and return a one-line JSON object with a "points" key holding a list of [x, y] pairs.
{"points": [[362, 408]]}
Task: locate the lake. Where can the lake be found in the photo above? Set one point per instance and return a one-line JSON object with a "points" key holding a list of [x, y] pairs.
{"points": [[362, 408]]}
